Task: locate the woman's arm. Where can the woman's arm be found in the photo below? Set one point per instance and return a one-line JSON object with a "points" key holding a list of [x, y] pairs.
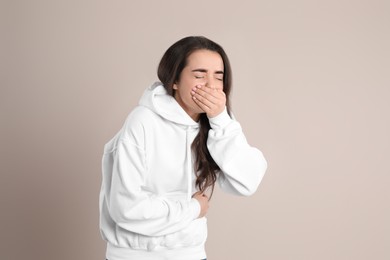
{"points": [[127, 202], [135, 209], [242, 166]]}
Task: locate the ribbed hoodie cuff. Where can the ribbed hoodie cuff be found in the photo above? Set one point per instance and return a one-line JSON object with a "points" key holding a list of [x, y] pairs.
{"points": [[195, 207], [221, 120]]}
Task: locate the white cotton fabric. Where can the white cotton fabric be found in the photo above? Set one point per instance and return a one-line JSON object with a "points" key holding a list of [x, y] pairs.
{"points": [[146, 205]]}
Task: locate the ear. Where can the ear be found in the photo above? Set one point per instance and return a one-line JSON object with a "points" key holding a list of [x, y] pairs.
{"points": [[175, 86]]}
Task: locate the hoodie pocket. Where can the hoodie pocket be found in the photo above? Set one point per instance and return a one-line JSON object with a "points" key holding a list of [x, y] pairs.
{"points": [[195, 234]]}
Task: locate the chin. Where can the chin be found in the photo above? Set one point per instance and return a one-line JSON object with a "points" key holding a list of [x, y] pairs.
{"points": [[199, 111]]}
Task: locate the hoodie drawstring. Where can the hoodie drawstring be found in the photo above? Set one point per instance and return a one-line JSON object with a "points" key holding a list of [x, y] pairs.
{"points": [[189, 164]]}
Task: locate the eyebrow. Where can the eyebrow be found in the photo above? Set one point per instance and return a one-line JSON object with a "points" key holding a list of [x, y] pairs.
{"points": [[205, 71]]}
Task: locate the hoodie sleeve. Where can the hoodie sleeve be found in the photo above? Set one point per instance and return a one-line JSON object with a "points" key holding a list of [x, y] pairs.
{"points": [[242, 166], [133, 208]]}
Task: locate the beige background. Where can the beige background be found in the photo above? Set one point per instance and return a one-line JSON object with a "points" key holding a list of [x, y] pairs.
{"points": [[311, 90]]}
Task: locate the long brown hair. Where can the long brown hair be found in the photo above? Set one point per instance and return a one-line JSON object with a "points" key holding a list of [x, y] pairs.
{"points": [[171, 65]]}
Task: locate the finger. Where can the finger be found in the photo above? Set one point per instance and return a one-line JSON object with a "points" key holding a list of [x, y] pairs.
{"points": [[205, 98], [211, 89], [201, 104], [214, 95], [208, 92], [211, 103], [196, 193], [207, 197]]}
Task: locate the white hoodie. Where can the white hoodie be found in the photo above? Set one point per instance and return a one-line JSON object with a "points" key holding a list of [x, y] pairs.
{"points": [[146, 205]]}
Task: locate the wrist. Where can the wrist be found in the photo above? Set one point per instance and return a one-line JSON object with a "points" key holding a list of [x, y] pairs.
{"points": [[220, 120], [214, 115]]}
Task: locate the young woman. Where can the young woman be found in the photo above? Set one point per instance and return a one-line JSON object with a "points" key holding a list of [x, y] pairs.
{"points": [[160, 168]]}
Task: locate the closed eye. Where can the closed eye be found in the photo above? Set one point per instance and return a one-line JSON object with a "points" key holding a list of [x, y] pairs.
{"points": [[219, 75]]}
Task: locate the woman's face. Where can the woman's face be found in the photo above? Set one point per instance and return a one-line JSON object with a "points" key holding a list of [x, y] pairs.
{"points": [[204, 68]]}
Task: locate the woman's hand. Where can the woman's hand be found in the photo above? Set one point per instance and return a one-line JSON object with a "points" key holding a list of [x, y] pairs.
{"points": [[203, 201], [212, 101]]}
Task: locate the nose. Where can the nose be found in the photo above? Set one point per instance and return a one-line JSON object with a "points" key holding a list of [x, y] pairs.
{"points": [[213, 82]]}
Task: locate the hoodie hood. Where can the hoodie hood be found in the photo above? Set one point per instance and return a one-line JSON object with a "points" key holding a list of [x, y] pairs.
{"points": [[159, 101]]}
